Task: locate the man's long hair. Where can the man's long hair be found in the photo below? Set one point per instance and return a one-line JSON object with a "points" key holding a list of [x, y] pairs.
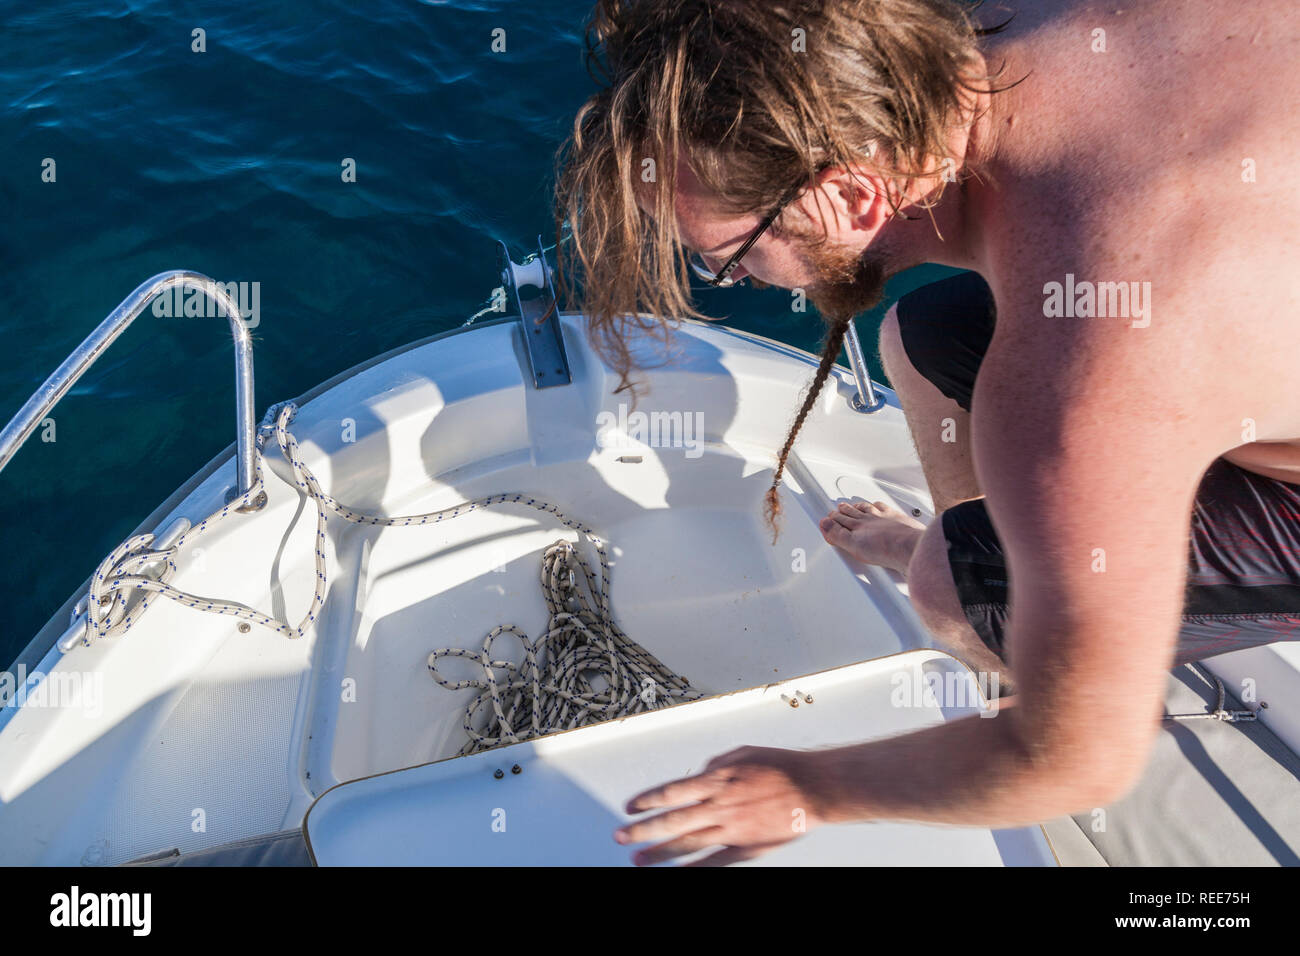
{"points": [[758, 97]]}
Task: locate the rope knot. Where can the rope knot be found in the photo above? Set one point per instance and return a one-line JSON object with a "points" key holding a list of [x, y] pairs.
{"points": [[129, 570]]}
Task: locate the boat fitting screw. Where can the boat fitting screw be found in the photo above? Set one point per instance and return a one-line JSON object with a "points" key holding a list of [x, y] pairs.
{"points": [[499, 773], [243, 627], [516, 769], [792, 701], [916, 512]]}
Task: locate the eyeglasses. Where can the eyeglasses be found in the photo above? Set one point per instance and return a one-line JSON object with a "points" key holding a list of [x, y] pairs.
{"points": [[722, 278]]}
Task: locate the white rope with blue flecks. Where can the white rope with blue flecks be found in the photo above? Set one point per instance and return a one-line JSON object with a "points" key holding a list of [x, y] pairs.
{"points": [[582, 670]]}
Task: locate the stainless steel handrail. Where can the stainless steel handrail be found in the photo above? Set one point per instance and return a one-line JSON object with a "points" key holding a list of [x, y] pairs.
{"points": [[867, 399], [75, 365]]}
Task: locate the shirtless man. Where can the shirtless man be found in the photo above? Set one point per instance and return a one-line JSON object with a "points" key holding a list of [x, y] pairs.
{"points": [[1123, 142]]}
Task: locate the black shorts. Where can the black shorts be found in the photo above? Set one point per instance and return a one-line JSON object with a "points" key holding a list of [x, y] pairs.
{"points": [[1243, 585]]}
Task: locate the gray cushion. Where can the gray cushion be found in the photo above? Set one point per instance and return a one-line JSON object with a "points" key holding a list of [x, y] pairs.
{"points": [[1213, 793]]}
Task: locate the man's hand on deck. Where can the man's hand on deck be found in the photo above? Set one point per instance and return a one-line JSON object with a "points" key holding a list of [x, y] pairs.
{"points": [[747, 802]]}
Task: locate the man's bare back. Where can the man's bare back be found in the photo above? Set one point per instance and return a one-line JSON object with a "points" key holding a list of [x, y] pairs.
{"points": [[1159, 140]]}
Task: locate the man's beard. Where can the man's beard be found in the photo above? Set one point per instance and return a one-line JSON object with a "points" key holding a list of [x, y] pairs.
{"points": [[848, 283]]}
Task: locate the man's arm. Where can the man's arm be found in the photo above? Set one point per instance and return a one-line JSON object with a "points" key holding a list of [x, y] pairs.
{"points": [[1090, 485], [1088, 446]]}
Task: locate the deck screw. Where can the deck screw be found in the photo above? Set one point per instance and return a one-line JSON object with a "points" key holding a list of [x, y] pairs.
{"points": [[516, 769], [243, 627], [807, 698], [793, 702], [499, 773]]}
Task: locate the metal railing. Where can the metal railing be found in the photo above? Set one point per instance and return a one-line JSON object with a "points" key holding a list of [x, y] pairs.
{"points": [[866, 399], [84, 356]]}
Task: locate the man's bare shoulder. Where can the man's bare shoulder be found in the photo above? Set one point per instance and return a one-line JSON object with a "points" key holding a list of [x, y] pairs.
{"points": [[1140, 208], [1145, 95]]}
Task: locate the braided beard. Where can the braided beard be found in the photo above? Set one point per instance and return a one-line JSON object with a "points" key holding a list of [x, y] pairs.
{"points": [[848, 283]]}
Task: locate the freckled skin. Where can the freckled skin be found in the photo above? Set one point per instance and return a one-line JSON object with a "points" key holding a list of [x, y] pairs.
{"points": [[1118, 166]]}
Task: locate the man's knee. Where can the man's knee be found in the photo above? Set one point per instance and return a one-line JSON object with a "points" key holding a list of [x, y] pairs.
{"points": [[933, 591], [930, 583], [914, 385]]}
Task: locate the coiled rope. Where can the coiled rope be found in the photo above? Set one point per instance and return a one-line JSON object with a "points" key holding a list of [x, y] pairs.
{"points": [[584, 669]]}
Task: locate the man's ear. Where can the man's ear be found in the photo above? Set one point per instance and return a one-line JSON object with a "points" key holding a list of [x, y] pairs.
{"points": [[855, 199]]}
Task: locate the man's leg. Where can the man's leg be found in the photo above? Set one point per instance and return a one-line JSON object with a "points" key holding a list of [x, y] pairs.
{"points": [[1243, 585], [931, 345], [934, 596], [875, 533], [940, 427], [1243, 581]]}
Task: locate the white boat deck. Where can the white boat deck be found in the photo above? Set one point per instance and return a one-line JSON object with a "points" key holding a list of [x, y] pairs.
{"points": [[560, 798], [204, 735]]}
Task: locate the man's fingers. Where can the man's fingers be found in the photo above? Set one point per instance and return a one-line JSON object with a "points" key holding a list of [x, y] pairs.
{"points": [[665, 825], [681, 846], [673, 794]]}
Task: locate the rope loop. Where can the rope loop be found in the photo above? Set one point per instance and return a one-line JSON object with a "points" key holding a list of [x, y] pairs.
{"points": [[582, 669]]}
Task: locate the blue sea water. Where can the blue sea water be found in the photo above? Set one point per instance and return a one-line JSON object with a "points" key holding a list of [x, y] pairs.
{"points": [[228, 162]]}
